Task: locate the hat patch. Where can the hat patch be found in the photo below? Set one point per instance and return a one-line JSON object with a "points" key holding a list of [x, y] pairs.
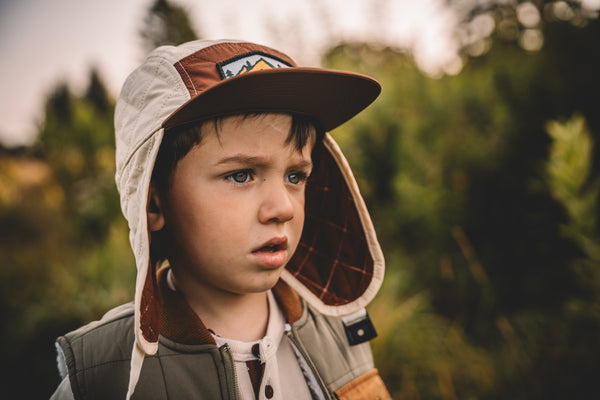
{"points": [[249, 62]]}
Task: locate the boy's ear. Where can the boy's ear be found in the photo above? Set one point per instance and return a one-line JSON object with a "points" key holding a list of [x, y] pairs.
{"points": [[156, 217]]}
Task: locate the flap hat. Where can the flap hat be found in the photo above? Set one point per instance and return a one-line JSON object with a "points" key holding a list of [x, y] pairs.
{"points": [[338, 265]]}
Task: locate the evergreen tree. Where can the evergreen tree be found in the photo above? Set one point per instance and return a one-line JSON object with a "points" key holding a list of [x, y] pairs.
{"points": [[67, 245], [65, 251], [166, 24]]}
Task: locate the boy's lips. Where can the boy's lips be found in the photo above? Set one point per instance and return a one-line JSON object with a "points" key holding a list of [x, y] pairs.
{"points": [[272, 253], [272, 245]]}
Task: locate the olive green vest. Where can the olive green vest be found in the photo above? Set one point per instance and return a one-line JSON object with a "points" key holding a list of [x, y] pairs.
{"points": [[98, 358]]}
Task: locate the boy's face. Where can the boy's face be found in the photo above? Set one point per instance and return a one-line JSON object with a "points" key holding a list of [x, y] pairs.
{"points": [[234, 212]]}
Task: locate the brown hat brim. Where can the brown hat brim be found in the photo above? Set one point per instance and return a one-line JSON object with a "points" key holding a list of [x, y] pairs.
{"points": [[331, 97]]}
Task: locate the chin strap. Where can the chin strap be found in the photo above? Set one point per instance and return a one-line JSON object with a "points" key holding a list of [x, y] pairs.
{"points": [[137, 358]]}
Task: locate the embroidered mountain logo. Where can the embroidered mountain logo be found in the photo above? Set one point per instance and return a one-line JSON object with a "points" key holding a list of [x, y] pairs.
{"points": [[249, 62]]}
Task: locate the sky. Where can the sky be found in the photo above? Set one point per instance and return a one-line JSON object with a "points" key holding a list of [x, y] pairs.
{"points": [[44, 42]]}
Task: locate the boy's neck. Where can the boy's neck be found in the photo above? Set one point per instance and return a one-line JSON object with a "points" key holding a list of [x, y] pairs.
{"points": [[242, 317]]}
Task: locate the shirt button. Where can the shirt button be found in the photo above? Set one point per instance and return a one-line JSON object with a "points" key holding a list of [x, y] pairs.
{"points": [[256, 350], [269, 391]]}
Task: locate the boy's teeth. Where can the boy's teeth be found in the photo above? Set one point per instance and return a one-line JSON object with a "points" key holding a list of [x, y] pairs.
{"points": [[269, 249]]}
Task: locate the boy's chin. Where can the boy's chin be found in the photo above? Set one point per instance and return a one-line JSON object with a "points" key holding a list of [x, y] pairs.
{"points": [[266, 284]]}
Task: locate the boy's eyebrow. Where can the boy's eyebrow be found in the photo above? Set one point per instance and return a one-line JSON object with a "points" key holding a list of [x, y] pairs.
{"points": [[303, 164], [258, 161], [242, 159]]}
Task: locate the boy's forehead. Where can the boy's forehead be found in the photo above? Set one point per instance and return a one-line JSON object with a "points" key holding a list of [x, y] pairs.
{"points": [[258, 139], [234, 124], [239, 124]]}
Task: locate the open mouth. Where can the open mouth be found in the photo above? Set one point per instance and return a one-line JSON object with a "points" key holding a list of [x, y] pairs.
{"points": [[268, 249], [272, 254], [272, 246]]}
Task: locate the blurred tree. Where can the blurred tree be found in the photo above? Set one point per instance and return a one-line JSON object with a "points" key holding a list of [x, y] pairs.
{"points": [[77, 141], [520, 21], [569, 175], [412, 152], [166, 24], [98, 96], [454, 171], [66, 257]]}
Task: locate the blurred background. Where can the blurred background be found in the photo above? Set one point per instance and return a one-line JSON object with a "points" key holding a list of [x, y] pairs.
{"points": [[479, 163]]}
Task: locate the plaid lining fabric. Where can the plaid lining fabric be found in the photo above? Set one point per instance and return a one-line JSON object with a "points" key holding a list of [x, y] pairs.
{"points": [[332, 260]]}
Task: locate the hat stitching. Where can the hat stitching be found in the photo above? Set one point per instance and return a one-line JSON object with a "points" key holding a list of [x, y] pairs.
{"points": [[141, 103], [188, 76], [336, 262], [344, 264], [133, 152], [139, 106], [157, 119]]}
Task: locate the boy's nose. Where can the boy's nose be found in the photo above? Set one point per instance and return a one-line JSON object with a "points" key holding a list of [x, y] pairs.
{"points": [[276, 205]]}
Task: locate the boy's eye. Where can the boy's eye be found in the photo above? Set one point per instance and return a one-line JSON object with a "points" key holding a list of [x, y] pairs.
{"points": [[240, 176], [296, 177]]}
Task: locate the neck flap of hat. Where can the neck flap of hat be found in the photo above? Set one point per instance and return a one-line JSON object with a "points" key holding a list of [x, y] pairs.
{"points": [[338, 266]]}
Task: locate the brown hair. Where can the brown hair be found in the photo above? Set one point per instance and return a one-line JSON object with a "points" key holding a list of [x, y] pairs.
{"points": [[177, 142]]}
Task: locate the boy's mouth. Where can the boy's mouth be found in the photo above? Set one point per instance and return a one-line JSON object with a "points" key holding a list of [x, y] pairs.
{"points": [[273, 245], [268, 249]]}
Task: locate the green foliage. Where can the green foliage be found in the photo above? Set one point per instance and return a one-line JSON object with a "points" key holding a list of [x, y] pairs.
{"points": [[572, 183], [66, 257], [77, 142], [523, 22], [421, 354], [569, 168], [489, 225]]}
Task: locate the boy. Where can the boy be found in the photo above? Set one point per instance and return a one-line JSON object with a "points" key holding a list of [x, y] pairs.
{"points": [[255, 252]]}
